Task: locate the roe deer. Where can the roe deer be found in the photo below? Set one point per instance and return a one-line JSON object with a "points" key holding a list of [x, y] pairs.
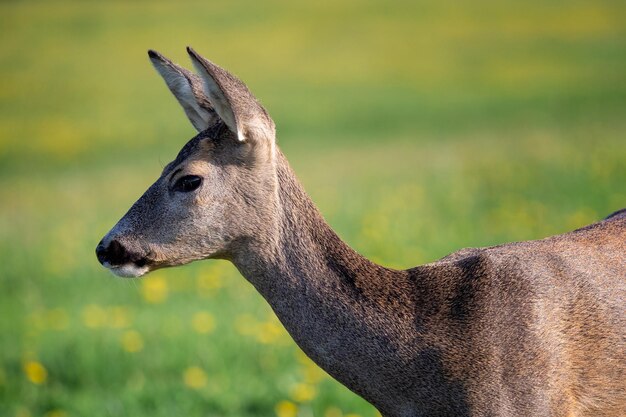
{"points": [[532, 328]]}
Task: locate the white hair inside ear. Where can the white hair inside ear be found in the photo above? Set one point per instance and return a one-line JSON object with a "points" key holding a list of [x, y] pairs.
{"points": [[188, 90], [218, 99]]}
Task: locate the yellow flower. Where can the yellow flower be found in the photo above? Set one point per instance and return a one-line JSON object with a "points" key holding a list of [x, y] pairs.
{"points": [[35, 372], [303, 392], [195, 377], [94, 316], [154, 289], [333, 412], [286, 409], [132, 341], [203, 322]]}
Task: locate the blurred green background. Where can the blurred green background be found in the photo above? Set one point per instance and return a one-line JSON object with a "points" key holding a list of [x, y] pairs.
{"points": [[418, 127]]}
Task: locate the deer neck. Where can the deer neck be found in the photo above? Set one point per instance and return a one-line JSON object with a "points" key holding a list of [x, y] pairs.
{"points": [[298, 251], [326, 295]]}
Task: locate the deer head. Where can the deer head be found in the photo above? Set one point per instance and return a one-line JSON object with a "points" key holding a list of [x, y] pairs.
{"points": [[217, 195]]}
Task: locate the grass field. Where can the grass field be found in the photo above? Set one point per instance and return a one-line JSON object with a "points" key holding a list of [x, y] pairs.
{"points": [[417, 127]]}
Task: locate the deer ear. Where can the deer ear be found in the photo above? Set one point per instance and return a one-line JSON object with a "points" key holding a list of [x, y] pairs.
{"points": [[232, 101], [188, 90]]}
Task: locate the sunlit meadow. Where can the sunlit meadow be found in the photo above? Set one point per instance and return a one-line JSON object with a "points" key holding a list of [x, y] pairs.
{"points": [[418, 127]]}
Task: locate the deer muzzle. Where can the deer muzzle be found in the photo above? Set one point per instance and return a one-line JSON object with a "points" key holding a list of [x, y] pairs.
{"points": [[121, 259]]}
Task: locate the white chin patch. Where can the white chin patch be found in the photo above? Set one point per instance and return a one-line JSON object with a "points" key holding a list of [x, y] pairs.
{"points": [[129, 270]]}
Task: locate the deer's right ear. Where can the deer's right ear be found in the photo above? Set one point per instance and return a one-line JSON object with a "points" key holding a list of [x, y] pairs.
{"points": [[188, 90], [233, 102]]}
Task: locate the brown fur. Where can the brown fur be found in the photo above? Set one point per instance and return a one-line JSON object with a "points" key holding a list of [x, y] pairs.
{"points": [[524, 329]]}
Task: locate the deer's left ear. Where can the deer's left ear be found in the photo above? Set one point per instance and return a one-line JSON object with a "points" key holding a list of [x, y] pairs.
{"points": [[188, 90], [233, 102]]}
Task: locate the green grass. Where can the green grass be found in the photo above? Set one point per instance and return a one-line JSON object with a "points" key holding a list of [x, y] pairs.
{"points": [[417, 127]]}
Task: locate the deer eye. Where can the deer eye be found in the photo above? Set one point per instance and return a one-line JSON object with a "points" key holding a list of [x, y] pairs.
{"points": [[187, 183]]}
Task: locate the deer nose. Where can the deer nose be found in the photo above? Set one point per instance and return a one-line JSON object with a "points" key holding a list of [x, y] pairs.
{"points": [[114, 253], [101, 253]]}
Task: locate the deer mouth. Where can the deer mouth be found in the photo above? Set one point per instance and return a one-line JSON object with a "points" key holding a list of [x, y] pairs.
{"points": [[129, 270], [133, 269], [121, 261]]}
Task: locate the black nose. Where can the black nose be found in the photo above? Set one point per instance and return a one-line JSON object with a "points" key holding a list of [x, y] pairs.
{"points": [[101, 253], [115, 253]]}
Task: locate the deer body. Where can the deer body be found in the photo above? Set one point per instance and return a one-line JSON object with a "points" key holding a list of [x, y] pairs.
{"points": [[524, 329]]}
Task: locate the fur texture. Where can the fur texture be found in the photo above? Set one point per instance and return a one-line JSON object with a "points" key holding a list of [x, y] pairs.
{"points": [[524, 329]]}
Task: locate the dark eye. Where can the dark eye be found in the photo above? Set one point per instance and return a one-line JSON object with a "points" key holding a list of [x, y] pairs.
{"points": [[187, 183]]}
